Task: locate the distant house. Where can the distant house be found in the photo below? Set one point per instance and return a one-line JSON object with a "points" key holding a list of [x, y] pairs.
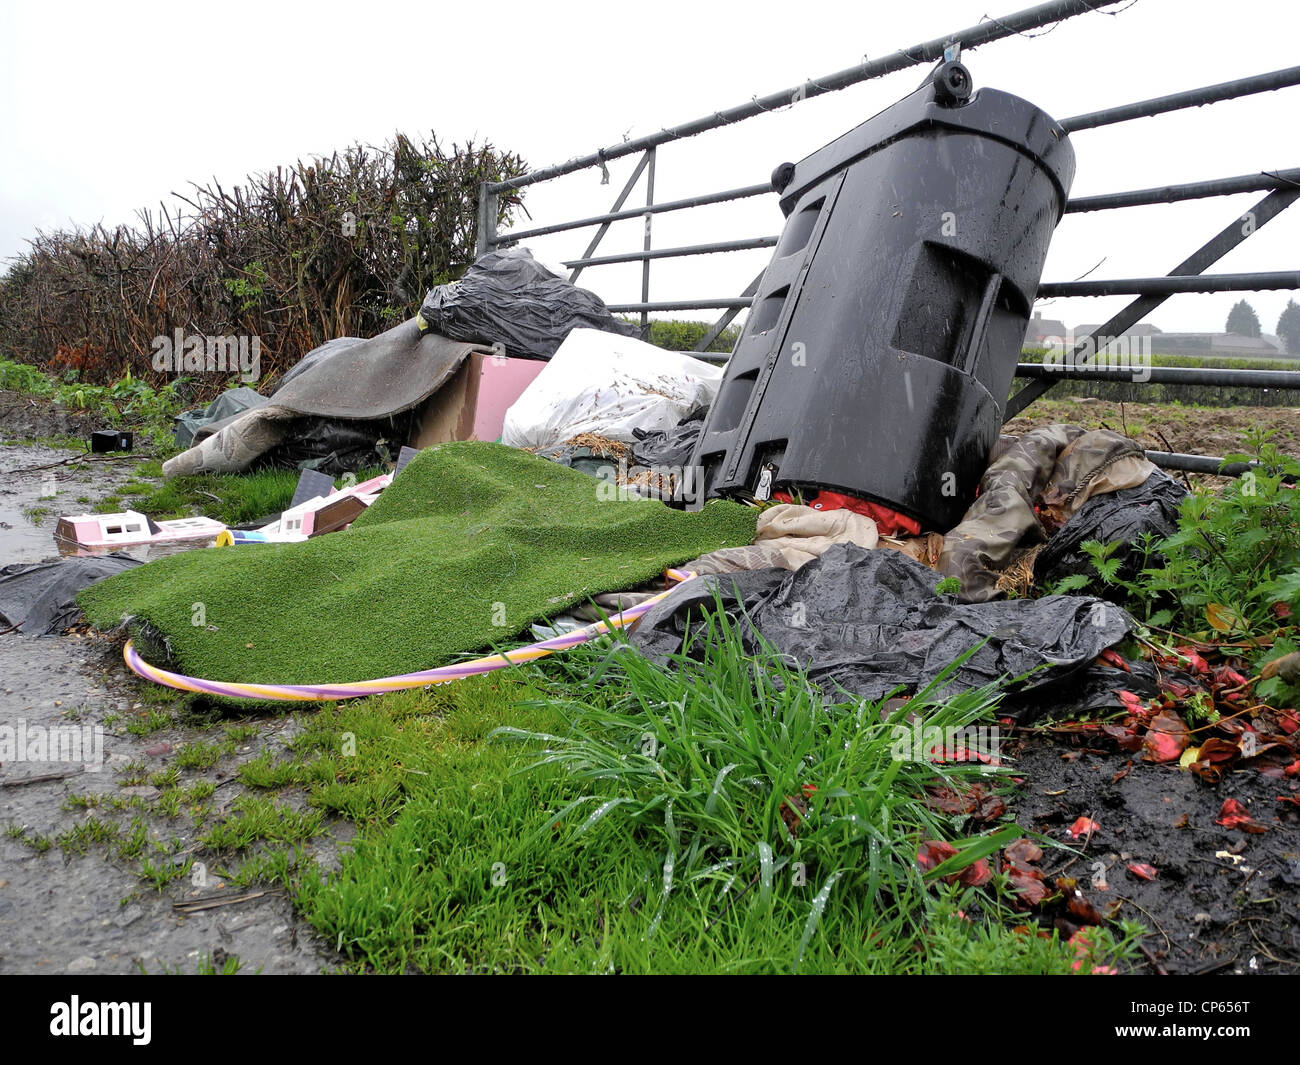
{"points": [[1142, 329], [1042, 329], [1223, 345], [1049, 333]]}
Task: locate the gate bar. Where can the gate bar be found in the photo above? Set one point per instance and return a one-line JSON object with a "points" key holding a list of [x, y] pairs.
{"points": [[1164, 375], [1208, 94], [1195, 190], [994, 29], [1209, 253], [1265, 281], [670, 253]]}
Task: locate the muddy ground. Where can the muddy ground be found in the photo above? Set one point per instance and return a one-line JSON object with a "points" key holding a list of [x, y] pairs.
{"points": [[90, 912], [1222, 900], [1190, 430]]}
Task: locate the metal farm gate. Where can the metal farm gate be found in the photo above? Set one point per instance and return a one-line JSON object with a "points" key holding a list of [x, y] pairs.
{"points": [[1281, 189]]}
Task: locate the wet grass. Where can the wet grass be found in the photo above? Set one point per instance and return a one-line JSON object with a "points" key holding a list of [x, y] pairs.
{"points": [[257, 819], [85, 834], [147, 721], [200, 755], [233, 499], [609, 816]]}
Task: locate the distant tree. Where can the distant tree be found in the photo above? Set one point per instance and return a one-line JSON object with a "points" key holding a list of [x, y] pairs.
{"points": [[1288, 327], [1243, 320]]}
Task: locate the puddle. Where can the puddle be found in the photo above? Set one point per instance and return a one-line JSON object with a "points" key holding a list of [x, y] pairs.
{"points": [[32, 498]]}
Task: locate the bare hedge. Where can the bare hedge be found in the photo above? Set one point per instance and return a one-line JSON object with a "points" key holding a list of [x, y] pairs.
{"points": [[344, 246]]}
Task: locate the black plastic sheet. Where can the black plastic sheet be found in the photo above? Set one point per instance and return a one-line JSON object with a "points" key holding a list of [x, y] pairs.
{"points": [[1125, 517], [337, 447], [870, 622], [508, 298], [673, 448], [40, 599]]}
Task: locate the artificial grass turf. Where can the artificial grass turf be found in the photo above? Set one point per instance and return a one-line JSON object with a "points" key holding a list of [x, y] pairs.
{"points": [[468, 546]]}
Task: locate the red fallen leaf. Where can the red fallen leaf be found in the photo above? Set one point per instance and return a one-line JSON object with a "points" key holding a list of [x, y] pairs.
{"points": [[1030, 890], [1075, 903], [932, 852], [1142, 870], [1228, 677], [1128, 768], [1129, 699], [1193, 659], [991, 809], [947, 800], [1113, 658], [1126, 739], [793, 809], [1023, 852], [1293, 769], [1281, 610], [1234, 815], [1082, 909], [966, 800], [1207, 771], [1217, 750], [1294, 800], [1166, 739], [975, 874], [1177, 690], [1081, 826], [1288, 721]]}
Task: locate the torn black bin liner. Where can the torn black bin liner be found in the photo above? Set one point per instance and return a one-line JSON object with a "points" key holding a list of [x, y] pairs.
{"points": [[655, 448], [1125, 517], [870, 622], [337, 447], [1096, 689], [509, 298], [40, 599]]}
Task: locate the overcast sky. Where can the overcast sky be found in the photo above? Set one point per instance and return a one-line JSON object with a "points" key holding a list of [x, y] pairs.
{"points": [[110, 107]]}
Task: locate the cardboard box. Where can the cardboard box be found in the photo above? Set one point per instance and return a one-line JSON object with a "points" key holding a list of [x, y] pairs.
{"points": [[473, 404]]}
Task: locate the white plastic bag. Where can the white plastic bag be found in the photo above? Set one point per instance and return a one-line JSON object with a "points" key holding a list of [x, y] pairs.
{"points": [[602, 383]]}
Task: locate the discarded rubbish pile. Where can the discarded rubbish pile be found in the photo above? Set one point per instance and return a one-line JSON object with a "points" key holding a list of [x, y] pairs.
{"points": [[472, 542], [880, 412], [450, 373], [1088, 484], [363, 394]]}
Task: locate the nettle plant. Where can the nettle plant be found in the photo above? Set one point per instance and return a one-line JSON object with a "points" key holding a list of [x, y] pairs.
{"points": [[1232, 567]]}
